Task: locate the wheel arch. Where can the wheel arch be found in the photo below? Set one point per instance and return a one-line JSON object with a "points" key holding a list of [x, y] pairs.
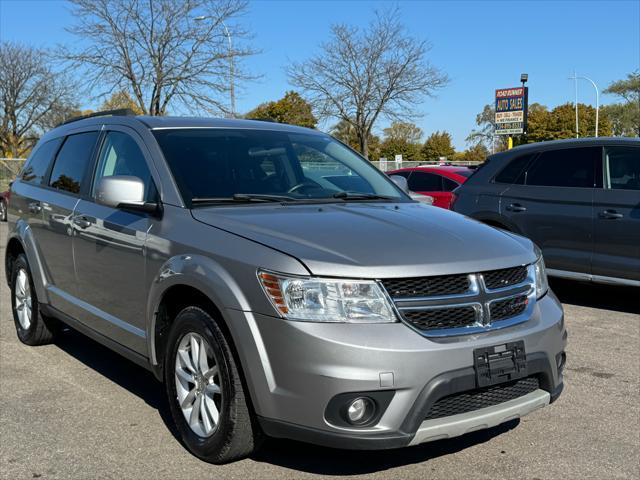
{"points": [[13, 249], [183, 279]]}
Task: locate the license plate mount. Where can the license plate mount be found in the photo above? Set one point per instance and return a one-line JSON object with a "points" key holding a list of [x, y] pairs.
{"points": [[500, 363]]}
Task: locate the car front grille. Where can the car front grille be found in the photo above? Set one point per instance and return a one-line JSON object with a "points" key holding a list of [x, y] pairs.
{"points": [[439, 318], [508, 308], [505, 277], [481, 398], [427, 286], [463, 303]]}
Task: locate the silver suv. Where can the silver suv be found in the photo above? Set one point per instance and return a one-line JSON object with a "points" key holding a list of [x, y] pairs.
{"points": [[278, 284]]}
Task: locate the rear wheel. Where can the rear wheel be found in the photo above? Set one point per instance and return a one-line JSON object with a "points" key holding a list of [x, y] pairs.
{"points": [[205, 392], [31, 327]]}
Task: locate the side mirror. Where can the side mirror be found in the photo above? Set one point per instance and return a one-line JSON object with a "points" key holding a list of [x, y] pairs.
{"points": [[123, 191], [400, 181]]}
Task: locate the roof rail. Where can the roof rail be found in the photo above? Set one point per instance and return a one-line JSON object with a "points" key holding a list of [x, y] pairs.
{"points": [[123, 112]]}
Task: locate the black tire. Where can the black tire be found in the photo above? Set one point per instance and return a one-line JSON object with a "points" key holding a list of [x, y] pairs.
{"points": [[236, 435], [3, 211], [40, 331]]}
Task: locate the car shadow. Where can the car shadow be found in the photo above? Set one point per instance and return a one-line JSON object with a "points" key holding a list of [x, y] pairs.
{"points": [[119, 370], [285, 453], [606, 297]]}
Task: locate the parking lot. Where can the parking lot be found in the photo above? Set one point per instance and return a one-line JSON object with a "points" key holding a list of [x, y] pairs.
{"points": [[77, 410]]}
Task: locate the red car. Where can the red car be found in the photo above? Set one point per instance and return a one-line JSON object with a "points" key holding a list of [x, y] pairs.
{"points": [[435, 181]]}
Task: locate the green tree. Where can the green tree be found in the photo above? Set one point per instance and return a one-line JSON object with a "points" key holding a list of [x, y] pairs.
{"points": [[562, 122], [402, 138], [291, 109], [438, 145], [476, 153], [119, 100], [625, 116], [391, 147]]}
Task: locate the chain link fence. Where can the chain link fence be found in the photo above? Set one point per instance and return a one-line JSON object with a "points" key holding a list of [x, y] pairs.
{"points": [[9, 168]]}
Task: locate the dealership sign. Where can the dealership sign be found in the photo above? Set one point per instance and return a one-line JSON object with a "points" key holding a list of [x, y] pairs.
{"points": [[511, 111]]}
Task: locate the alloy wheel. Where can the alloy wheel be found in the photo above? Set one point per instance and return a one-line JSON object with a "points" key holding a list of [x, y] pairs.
{"points": [[23, 298], [198, 384]]}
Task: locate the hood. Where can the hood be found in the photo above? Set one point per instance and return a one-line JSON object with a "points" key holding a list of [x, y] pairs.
{"points": [[374, 240]]}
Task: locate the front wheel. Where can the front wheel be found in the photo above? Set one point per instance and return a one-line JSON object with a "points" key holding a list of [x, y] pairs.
{"points": [[207, 399], [32, 328]]}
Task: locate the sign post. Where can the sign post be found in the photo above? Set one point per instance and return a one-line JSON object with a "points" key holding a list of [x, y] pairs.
{"points": [[511, 111]]}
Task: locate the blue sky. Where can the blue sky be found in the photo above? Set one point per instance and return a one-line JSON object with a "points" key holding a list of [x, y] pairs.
{"points": [[480, 45]]}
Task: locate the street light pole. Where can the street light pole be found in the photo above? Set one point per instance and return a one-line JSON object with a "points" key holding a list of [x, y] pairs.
{"points": [[575, 78], [232, 90]]}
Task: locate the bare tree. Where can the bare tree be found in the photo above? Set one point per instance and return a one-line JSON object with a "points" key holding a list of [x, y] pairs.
{"points": [[158, 52], [361, 75], [30, 90]]}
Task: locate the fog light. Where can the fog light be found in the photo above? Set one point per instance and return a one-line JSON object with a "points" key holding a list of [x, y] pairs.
{"points": [[360, 410]]}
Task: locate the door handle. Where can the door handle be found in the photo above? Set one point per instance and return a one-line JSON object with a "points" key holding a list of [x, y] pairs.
{"points": [[35, 207], [516, 207], [82, 222], [610, 215]]}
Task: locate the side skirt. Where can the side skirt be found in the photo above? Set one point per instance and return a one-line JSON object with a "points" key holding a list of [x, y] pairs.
{"points": [[130, 355]]}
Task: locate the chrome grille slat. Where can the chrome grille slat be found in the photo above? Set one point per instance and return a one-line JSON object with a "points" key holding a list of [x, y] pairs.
{"points": [[507, 300]]}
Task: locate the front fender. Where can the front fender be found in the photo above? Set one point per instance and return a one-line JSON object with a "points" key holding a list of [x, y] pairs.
{"points": [[199, 272]]}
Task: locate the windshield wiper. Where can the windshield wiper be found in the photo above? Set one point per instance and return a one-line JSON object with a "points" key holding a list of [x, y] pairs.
{"points": [[243, 198], [361, 196]]}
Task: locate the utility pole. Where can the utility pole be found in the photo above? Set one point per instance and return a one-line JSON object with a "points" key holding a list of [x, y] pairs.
{"points": [[232, 89]]}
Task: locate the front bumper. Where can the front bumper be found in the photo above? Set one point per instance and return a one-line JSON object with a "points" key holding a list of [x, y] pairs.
{"points": [[298, 367]]}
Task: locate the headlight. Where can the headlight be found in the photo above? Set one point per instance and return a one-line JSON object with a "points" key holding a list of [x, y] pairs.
{"points": [[542, 284], [315, 299]]}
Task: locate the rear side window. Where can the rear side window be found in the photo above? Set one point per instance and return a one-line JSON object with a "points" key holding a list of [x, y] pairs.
{"points": [[448, 185], [570, 167], [623, 168], [72, 162], [425, 182], [38, 165], [513, 172]]}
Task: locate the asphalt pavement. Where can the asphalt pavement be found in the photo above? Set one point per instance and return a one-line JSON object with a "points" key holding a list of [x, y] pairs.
{"points": [[76, 410]]}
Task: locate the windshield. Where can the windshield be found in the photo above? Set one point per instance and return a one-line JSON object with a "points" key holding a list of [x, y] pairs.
{"points": [[212, 165]]}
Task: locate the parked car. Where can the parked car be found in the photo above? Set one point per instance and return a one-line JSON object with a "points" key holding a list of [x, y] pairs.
{"points": [[578, 200], [226, 257], [437, 182], [4, 201]]}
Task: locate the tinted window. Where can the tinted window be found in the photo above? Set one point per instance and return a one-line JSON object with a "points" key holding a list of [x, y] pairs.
{"points": [[512, 173], [623, 167], [37, 166], [425, 182], [448, 185], [571, 167], [72, 162], [121, 155], [218, 163]]}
